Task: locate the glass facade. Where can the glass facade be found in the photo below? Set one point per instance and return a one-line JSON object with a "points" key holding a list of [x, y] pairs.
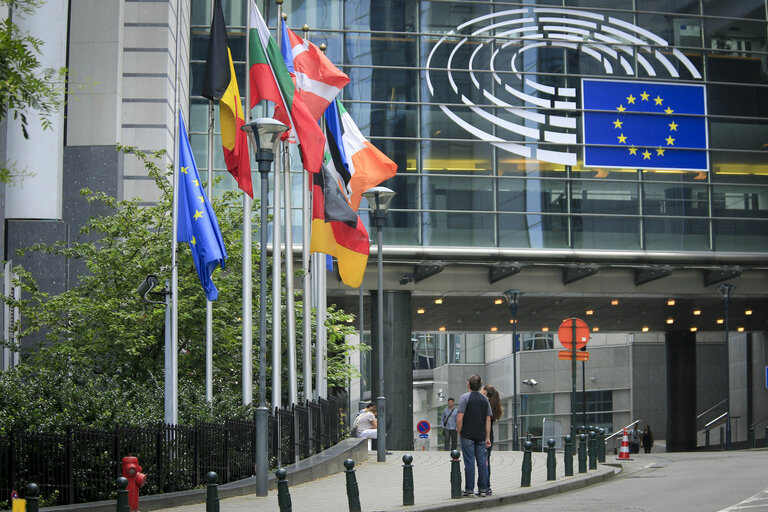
{"points": [[462, 107]]}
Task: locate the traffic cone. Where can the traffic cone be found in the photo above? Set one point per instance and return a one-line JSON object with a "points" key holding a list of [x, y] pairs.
{"points": [[624, 450]]}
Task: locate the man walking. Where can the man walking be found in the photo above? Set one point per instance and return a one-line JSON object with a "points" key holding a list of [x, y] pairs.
{"points": [[449, 425], [473, 423]]}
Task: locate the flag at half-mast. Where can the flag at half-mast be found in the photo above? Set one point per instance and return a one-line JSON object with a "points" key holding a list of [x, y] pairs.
{"points": [[197, 222], [317, 79], [220, 83], [271, 80]]}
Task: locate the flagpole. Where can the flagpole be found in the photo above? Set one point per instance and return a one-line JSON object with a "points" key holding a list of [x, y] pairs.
{"points": [[209, 304], [321, 338], [277, 278], [306, 215], [171, 370], [247, 306]]}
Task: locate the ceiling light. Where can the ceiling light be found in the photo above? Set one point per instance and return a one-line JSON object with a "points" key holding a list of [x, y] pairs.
{"points": [[545, 329], [671, 302], [420, 311], [441, 328], [494, 329], [694, 329], [590, 312], [719, 320], [595, 329], [512, 321], [696, 312], [645, 329], [748, 312], [614, 302], [439, 300], [670, 320], [740, 329], [499, 301]]}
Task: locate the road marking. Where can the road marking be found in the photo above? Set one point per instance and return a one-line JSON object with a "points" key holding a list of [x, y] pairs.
{"points": [[751, 503]]}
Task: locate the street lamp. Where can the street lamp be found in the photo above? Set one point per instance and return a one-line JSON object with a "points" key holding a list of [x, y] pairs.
{"points": [[725, 290], [512, 296], [378, 200], [264, 134]]}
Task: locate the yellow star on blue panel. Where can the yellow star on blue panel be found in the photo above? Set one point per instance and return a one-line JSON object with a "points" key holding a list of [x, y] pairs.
{"points": [[201, 198], [184, 170], [668, 110], [672, 126], [197, 183], [622, 139], [198, 214], [193, 241], [621, 108], [670, 141], [658, 100], [660, 151], [617, 123], [631, 99], [646, 155], [632, 150], [644, 96]]}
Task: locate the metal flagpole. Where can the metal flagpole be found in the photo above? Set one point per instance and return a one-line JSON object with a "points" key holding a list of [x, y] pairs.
{"points": [[171, 379], [306, 216], [277, 280], [290, 320], [209, 304], [247, 307]]}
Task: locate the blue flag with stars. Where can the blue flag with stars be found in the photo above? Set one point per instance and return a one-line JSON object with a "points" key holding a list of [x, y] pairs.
{"points": [[644, 125], [197, 221]]}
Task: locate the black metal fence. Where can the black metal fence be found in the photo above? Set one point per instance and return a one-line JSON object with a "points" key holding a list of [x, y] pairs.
{"points": [[81, 465]]}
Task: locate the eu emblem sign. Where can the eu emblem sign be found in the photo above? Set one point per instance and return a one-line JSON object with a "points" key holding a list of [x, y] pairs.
{"points": [[644, 125]]}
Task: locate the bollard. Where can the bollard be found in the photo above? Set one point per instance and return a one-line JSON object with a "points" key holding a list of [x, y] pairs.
{"points": [[122, 494], [592, 450], [212, 492], [568, 456], [766, 437], [722, 439], [751, 435], [353, 493], [706, 438], [551, 462], [455, 475], [601, 445], [582, 453], [525, 480], [33, 497], [283, 495], [407, 480]]}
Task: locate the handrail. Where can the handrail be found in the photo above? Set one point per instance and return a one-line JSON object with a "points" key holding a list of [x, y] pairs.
{"points": [[714, 407], [718, 420], [622, 429]]}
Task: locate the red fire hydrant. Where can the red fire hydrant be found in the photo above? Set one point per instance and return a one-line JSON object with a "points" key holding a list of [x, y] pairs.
{"points": [[136, 479]]}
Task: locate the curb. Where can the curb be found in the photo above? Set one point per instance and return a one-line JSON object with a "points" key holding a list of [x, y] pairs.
{"points": [[469, 504]]}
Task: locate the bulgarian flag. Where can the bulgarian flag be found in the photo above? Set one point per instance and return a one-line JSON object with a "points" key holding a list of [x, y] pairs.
{"points": [[271, 80], [220, 83], [317, 79], [364, 164]]}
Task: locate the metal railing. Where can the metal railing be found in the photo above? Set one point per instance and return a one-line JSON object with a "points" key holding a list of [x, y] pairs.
{"points": [[80, 465], [616, 433]]}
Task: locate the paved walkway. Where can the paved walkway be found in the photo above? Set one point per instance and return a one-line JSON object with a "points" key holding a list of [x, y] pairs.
{"points": [[380, 484]]}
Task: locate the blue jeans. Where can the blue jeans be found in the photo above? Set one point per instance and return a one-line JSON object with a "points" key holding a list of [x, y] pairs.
{"points": [[474, 452]]}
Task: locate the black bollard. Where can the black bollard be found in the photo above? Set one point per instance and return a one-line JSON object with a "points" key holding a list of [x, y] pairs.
{"points": [[751, 436], [722, 439], [212, 492], [601, 445], [283, 495], [122, 495], [32, 496], [407, 480], [592, 450], [525, 480], [568, 456], [582, 453], [551, 461], [455, 475], [353, 493]]}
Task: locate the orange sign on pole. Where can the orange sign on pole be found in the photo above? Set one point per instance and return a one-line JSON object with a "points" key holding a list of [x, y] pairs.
{"points": [[566, 355], [566, 333]]}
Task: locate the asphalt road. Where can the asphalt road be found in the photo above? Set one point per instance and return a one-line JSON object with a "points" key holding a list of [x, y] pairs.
{"points": [[679, 482]]}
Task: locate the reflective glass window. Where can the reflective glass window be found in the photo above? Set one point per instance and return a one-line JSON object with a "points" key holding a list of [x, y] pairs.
{"points": [[739, 235], [393, 15], [459, 229], [676, 234], [441, 17], [605, 232], [457, 157]]}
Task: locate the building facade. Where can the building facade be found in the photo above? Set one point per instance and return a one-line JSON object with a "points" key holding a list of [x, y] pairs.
{"points": [[480, 104]]}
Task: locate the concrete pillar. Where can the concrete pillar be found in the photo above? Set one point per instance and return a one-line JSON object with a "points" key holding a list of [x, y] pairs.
{"points": [[398, 366], [681, 391]]}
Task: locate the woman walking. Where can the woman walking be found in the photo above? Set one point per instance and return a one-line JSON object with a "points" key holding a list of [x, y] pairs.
{"points": [[647, 439], [493, 397]]}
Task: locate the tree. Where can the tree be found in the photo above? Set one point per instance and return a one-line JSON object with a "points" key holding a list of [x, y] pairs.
{"points": [[24, 84], [105, 341]]}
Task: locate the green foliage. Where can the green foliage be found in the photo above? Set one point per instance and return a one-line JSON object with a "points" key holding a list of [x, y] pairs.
{"points": [[103, 363]]}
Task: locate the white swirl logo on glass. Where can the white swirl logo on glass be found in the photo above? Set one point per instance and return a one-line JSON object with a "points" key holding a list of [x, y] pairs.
{"points": [[519, 109]]}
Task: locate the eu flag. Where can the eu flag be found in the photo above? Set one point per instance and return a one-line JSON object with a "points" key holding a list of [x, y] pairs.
{"points": [[197, 222], [644, 125]]}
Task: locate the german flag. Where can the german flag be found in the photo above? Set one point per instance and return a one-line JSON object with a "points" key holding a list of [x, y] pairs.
{"points": [[220, 83]]}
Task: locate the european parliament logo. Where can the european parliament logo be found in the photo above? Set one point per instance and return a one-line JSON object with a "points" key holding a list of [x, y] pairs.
{"points": [[644, 125]]}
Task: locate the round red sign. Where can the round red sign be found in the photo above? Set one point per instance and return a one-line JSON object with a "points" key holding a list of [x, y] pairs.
{"points": [[565, 333]]}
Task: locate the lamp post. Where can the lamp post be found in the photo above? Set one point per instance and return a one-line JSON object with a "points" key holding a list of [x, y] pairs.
{"points": [[378, 200], [512, 296], [725, 290], [264, 134]]}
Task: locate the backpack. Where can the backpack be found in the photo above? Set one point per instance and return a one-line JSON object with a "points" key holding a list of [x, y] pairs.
{"points": [[353, 432]]}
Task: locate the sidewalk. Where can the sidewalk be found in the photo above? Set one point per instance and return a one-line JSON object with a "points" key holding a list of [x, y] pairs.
{"points": [[380, 485]]}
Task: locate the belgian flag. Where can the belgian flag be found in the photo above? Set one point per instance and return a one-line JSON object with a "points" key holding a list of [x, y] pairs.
{"points": [[220, 83]]}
